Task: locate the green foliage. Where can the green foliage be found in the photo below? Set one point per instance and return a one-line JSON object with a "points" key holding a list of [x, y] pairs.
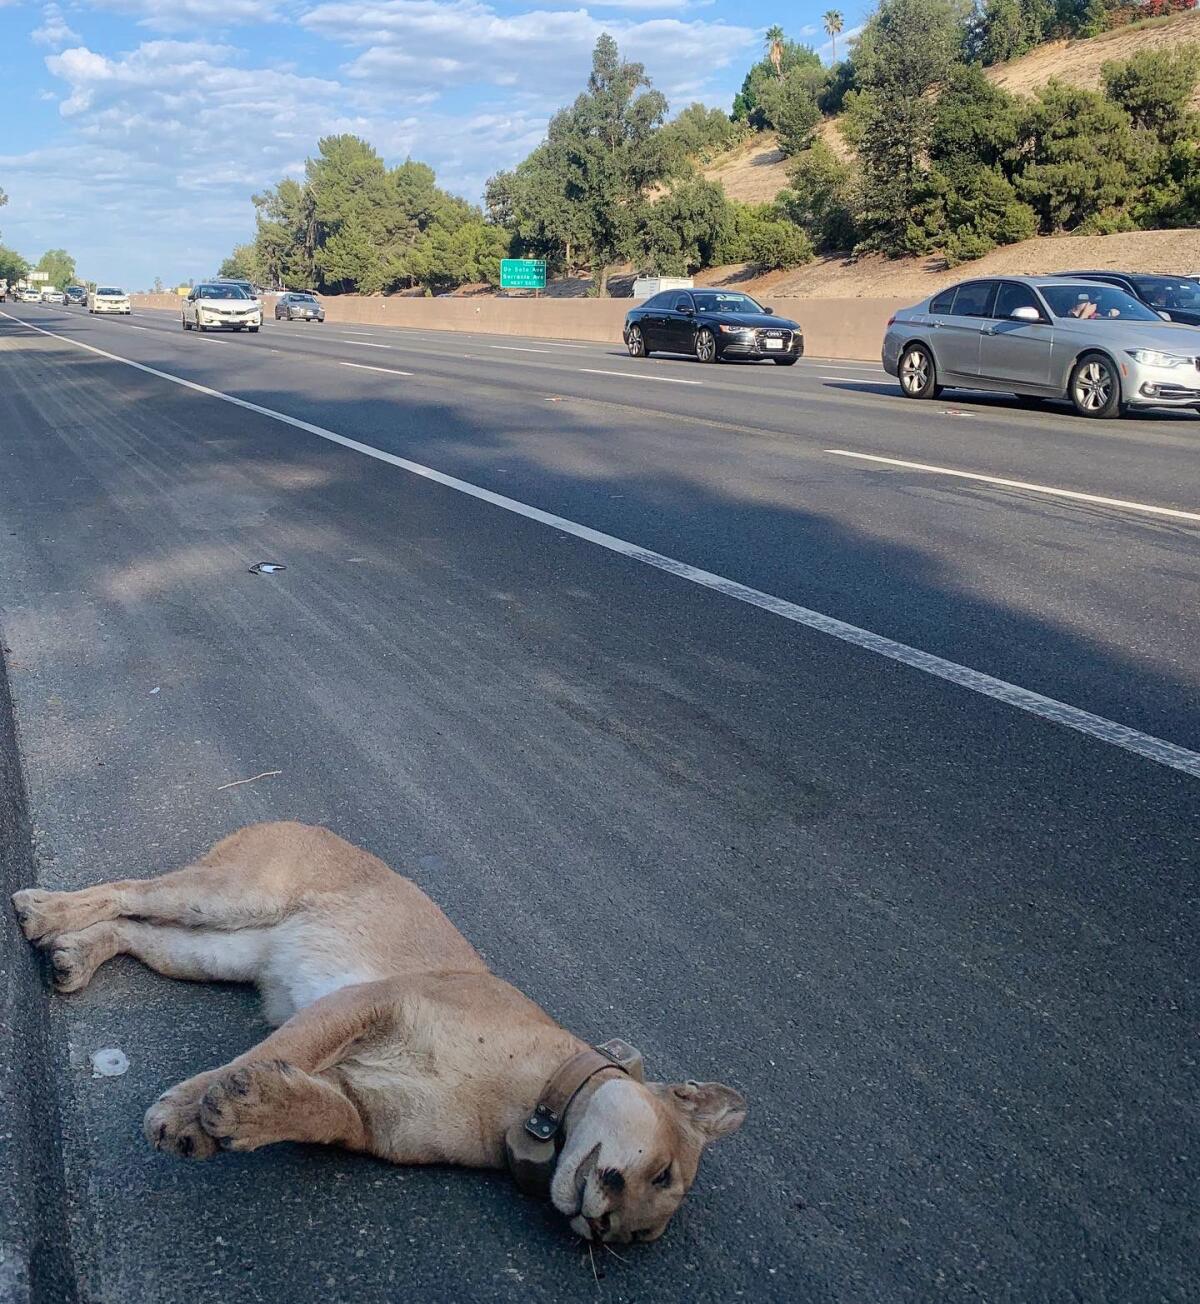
{"points": [[1080, 157], [977, 124], [823, 198], [907, 48], [1154, 87], [762, 234], [789, 104], [748, 105], [443, 258], [685, 230], [840, 80], [12, 266], [968, 216], [59, 267], [776, 244], [699, 132], [582, 189], [1004, 29], [241, 264]]}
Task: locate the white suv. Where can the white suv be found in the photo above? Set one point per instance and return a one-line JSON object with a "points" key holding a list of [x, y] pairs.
{"points": [[108, 298], [221, 304]]}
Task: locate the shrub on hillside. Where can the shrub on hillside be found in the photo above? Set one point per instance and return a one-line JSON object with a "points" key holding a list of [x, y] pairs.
{"points": [[790, 106], [684, 230], [1079, 155], [1154, 87], [823, 198], [699, 132]]}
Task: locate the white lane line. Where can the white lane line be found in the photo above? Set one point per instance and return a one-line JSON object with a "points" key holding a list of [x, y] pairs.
{"points": [[1174, 512], [516, 348], [1141, 744], [390, 371], [845, 365], [632, 375], [857, 380]]}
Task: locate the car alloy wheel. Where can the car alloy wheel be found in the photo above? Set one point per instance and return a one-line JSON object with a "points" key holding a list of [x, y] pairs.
{"points": [[917, 376], [1095, 389], [706, 346], [635, 343]]}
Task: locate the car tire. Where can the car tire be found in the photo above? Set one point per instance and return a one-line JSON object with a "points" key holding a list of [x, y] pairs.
{"points": [[706, 345], [918, 373], [1095, 387], [785, 362], [184, 323], [635, 342], [200, 328]]}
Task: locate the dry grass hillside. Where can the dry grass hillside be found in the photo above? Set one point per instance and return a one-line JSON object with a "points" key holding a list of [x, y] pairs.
{"points": [[875, 277], [755, 171]]}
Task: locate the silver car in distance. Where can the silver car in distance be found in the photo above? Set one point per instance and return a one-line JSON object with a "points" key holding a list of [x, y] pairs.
{"points": [[1045, 337]]}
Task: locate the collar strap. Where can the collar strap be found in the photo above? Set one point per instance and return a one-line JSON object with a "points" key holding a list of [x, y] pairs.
{"points": [[546, 1121]]}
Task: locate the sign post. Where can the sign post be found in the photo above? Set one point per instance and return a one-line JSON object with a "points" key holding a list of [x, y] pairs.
{"points": [[522, 273]]}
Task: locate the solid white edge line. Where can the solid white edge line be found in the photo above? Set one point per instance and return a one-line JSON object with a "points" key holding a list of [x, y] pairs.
{"points": [[365, 344], [388, 371], [1141, 744], [1076, 494], [857, 380], [632, 375], [517, 348]]}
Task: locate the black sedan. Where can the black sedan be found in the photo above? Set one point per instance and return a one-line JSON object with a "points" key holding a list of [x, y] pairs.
{"points": [[711, 325], [1175, 298], [298, 306], [75, 295]]}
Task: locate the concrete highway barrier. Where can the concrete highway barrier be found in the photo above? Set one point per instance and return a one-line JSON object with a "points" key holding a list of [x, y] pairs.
{"points": [[833, 328]]}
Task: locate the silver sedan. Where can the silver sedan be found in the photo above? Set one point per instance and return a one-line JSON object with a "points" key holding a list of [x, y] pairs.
{"points": [[1043, 337]]}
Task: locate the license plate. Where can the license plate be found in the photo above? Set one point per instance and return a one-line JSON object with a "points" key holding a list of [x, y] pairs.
{"points": [[773, 344]]}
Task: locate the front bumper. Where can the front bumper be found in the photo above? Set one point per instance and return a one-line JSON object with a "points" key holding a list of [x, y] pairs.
{"points": [[216, 319], [111, 307], [759, 343], [1170, 387]]}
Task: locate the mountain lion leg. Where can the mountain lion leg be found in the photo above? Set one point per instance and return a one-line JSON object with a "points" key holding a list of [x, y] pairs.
{"points": [[199, 954], [272, 1100], [253, 877], [282, 1098]]}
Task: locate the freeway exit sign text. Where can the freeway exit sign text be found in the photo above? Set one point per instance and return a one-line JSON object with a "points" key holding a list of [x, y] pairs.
{"points": [[522, 273]]}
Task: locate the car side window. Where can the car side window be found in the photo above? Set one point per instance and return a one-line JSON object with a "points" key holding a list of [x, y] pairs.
{"points": [[658, 302], [683, 303], [974, 299], [941, 305], [1013, 295]]}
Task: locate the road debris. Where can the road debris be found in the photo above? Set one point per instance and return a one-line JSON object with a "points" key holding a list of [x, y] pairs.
{"points": [[237, 783], [109, 1063], [267, 567]]}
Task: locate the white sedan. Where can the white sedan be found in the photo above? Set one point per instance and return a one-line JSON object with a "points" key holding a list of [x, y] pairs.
{"points": [[52, 295], [109, 298], [218, 304]]}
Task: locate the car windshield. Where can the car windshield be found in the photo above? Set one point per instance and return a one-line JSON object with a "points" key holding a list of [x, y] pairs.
{"points": [[303, 298], [742, 304], [221, 292], [1166, 292], [108, 289], [1095, 303]]}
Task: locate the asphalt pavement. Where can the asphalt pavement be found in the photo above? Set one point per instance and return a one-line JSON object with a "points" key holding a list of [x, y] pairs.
{"points": [[839, 747]]}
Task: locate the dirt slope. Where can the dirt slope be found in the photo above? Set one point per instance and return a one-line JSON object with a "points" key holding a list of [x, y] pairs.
{"points": [[874, 277], [756, 170]]}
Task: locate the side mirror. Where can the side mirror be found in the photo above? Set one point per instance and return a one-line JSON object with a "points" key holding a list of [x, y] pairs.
{"points": [[1166, 316], [688, 312], [1025, 313], [770, 312]]}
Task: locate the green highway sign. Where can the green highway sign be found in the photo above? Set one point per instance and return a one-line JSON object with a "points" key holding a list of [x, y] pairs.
{"points": [[522, 273]]}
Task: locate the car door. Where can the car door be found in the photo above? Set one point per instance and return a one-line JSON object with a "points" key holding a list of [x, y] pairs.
{"points": [[650, 320], [961, 332], [679, 323], [1012, 349], [189, 307]]}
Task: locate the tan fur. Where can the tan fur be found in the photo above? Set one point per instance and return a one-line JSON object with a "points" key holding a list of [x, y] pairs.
{"points": [[394, 1037]]}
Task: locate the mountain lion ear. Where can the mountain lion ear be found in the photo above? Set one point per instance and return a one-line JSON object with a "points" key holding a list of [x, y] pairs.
{"points": [[712, 1108]]}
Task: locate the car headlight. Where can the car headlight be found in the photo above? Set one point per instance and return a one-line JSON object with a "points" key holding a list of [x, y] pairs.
{"points": [[1152, 358], [734, 330]]}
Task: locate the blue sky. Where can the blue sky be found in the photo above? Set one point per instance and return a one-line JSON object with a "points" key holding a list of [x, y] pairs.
{"points": [[133, 132]]}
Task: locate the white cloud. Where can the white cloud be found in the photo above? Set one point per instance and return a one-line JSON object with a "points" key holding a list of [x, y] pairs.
{"points": [[54, 31], [185, 15], [447, 44]]}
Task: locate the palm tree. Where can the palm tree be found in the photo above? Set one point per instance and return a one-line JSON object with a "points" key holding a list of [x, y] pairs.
{"points": [[832, 19], [775, 39]]}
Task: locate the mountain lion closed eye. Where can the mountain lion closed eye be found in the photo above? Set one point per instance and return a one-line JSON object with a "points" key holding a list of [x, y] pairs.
{"points": [[392, 1035]]}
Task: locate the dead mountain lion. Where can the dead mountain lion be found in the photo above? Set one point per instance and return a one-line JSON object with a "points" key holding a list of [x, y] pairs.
{"points": [[392, 1035]]}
